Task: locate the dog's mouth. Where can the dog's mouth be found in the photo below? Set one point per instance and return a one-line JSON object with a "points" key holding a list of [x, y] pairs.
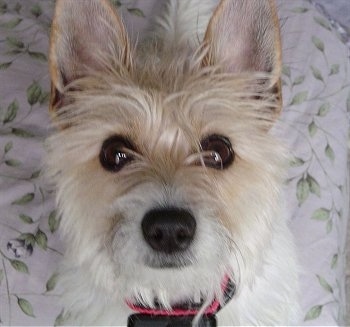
{"points": [[169, 261], [189, 307]]}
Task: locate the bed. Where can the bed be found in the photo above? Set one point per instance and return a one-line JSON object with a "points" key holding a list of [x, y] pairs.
{"points": [[314, 124]]}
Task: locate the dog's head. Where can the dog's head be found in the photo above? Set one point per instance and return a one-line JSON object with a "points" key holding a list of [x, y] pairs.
{"points": [[167, 178]]}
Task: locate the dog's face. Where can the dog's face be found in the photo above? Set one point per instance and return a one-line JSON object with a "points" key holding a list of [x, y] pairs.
{"points": [[167, 178]]}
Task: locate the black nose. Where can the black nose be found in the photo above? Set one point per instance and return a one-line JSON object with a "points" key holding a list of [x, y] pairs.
{"points": [[168, 229]]}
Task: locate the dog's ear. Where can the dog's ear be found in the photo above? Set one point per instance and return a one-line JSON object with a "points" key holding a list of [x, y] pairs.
{"points": [[244, 36], [82, 31]]}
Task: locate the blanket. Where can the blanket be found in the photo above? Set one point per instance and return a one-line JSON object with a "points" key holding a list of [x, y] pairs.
{"points": [[314, 124]]}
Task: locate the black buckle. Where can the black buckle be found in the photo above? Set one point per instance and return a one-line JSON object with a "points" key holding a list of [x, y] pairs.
{"points": [[144, 320]]}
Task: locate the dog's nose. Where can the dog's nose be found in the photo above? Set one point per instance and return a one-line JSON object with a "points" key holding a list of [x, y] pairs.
{"points": [[169, 230]]}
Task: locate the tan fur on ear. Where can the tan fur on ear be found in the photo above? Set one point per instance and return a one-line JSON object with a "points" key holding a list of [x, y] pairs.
{"points": [[82, 31], [244, 36]]}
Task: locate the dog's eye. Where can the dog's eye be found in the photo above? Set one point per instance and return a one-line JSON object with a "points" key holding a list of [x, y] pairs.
{"points": [[115, 153], [217, 152]]}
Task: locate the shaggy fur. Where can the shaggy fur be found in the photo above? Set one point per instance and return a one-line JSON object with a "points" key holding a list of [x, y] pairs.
{"points": [[166, 96]]}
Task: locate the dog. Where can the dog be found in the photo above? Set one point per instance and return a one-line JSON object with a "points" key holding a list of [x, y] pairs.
{"points": [[169, 181]]}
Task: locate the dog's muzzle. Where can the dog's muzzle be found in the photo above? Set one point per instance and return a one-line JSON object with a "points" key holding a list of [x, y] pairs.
{"points": [[181, 314], [169, 231]]}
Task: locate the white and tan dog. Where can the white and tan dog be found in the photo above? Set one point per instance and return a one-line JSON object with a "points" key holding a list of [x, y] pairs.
{"points": [[168, 179]]}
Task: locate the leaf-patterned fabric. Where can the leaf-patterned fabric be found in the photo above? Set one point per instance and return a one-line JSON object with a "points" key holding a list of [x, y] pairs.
{"points": [[314, 123]]}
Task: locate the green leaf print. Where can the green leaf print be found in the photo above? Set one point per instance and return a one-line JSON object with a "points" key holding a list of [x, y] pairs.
{"points": [[303, 190], [3, 7], [26, 219], [11, 113], [24, 199], [136, 12], [324, 284], [5, 65], [26, 307], [317, 73], [2, 275], [323, 22], [37, 55], [321, 214], [296, 162], [28, 238], [334, 261], [318, 43], [299, 80], [116, 3], [36, 10], [314, 312], [286, 71], [33, 93], [300, 10], [313, 185], [324, 109], [54, 222], [8, 147], [15, 43], [12, 163], [334, 69], [21, 133], [41, 239], [329, 152], [12, 23], [299, 98], [51, 283], [19, 266], [329, 226], [312, 129]]}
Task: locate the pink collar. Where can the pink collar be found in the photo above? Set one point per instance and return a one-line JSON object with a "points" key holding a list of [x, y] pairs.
{"points": [[228, 289]]}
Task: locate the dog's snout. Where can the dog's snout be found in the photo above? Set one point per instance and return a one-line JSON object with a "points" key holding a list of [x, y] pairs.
{"points": [[169, 230]]}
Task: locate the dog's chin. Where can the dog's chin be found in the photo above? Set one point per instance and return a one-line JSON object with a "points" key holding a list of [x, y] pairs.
{"points": [[173, 283], [193, 301]]}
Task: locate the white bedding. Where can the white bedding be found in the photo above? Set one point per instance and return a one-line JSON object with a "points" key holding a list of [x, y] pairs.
{"points": [[314, 123]]}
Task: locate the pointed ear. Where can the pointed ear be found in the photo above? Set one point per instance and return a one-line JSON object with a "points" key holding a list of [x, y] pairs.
{"points": [[244, 36], [82, 31]]}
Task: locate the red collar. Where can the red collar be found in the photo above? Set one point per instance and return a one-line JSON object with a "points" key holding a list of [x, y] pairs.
{"points": [[228, 289]]}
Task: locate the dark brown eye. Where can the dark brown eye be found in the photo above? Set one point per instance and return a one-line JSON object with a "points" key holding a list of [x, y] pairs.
{"points": [[115, 153], [217, 152]]}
